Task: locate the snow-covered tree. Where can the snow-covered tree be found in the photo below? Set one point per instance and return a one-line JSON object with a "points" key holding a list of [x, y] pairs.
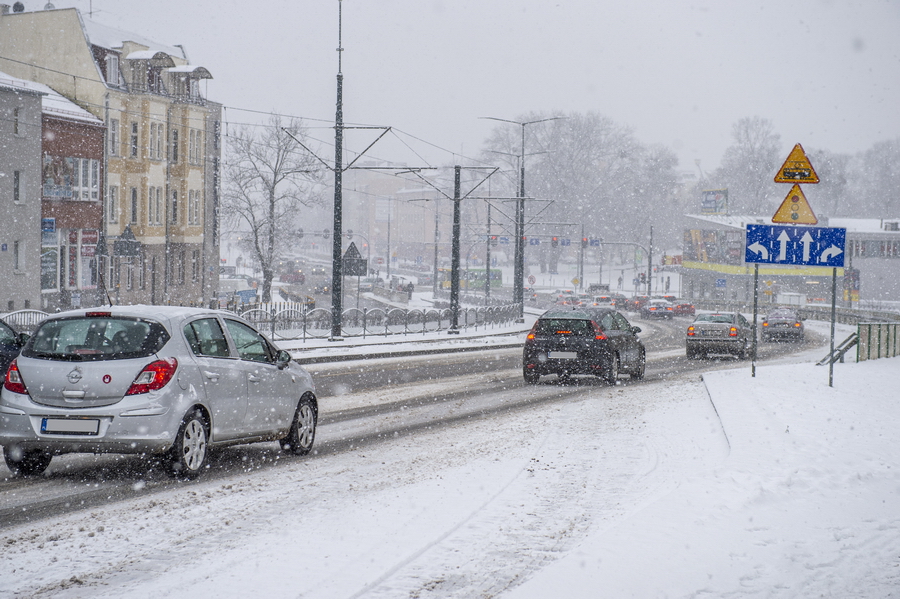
{"points": [[749, 165], [269, 179]]}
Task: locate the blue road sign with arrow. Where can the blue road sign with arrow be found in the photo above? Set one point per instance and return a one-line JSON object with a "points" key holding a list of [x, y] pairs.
{"points": [[795, 245]]}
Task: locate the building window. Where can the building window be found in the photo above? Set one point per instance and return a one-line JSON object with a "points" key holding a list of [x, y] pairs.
{"points": [[193, 207], [134, 205], [17, 187], [134, 140], [142, 265], [160, 137], [17, 112], [113, 137], [195, 266], [112, 69], [174, 145], [174, 208], [129, 274], [17, 255], [112, 205], [181, 257]]}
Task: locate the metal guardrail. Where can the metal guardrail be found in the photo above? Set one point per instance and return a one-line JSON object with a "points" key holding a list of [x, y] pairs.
{"points": [[25, 321], [838, 354], [299, 324], [842, 315]]}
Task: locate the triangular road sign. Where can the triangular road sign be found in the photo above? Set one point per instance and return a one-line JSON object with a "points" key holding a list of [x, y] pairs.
{"points": [[795, 209], [797, 168], [352, 253]]}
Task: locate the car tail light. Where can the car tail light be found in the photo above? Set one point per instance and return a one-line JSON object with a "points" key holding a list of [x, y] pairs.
{"points": [[733, 332], [797, 324], [155, 375], [765, 324], [691, 331], [13, 381], [598, 332], [531, 333]]}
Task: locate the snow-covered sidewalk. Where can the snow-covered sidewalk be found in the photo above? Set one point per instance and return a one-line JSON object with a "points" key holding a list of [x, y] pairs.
{"points": [[807, 503]]}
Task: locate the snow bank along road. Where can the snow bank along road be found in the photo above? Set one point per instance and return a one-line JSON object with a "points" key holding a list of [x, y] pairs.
{"points": [[438, 474]]}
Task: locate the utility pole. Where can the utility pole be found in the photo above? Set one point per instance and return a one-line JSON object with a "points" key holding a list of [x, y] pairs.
{"points": [[454, 255], [487, 258], [650, 263], [336, 258], [519, 270]]}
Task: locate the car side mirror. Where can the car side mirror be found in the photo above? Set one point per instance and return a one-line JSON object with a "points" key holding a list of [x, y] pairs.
{"points": [[22, 339], [282, 359], [635, 330]]}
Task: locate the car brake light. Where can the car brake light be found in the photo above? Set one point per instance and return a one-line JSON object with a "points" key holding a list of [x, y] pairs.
{"points": [[155, 375], [690, 331], [598, 332], [98, 314], [797, 324], [765, 324], [13, 381], [733, 332]]}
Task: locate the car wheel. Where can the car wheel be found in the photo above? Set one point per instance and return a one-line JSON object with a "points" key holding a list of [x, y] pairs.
{"points": [[690, 354], [29, 462], [612, 369], [638, 373], [531, 378], [188, 455], [303, 428]]}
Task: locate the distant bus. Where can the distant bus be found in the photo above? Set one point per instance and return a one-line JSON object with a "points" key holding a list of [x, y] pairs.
{"points": [[471, 278]]}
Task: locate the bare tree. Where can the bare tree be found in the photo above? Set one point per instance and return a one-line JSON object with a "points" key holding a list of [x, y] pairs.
{"points": [[269, 178], [749, 165]]}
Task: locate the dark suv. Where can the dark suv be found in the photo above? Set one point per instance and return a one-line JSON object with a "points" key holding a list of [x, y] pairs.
{"points": [[594, 341]]}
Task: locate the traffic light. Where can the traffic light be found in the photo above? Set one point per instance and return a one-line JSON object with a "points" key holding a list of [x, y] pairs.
{"points": [[643, 277], [554, 242], [494, 240], [299, 233], [584, 242]]}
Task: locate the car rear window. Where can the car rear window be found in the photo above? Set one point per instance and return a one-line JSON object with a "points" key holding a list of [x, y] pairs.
{"points": [[564, 326], [725, 318], [96, 338]]}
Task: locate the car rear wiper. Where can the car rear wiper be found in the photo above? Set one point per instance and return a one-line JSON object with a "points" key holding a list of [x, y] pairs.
{"points": [[54, 356]]}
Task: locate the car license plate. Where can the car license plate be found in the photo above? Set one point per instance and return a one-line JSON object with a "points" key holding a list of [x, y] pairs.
{"points": [[709, 333], [70, 426], [563, 355]]}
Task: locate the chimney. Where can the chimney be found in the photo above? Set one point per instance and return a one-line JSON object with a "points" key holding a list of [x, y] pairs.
{"points": [[4, 9]]}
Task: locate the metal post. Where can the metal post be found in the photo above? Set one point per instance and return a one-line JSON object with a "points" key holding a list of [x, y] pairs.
{"points": [[833, 315], [454, 259], [650, 264], [755, 310], [336, 274], [437, 235], [519, 274], [487, 258]]}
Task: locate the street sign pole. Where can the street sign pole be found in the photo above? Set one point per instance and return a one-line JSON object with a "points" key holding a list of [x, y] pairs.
{"points": [[755, 312], [833, 311]]}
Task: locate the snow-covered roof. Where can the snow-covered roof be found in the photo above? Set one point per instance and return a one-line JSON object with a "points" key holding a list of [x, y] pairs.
{"points": [[113, 39], [196, 70], [51, 103], [853, 225]]}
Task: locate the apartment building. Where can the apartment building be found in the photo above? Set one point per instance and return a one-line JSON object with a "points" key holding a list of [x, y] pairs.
{"points": [[158, 239]]}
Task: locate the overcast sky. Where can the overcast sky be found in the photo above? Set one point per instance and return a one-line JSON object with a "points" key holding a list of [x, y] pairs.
{"points": [[825, 72]]}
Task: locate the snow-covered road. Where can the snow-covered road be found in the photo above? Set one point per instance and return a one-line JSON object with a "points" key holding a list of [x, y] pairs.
{"points": [[773, 486]]}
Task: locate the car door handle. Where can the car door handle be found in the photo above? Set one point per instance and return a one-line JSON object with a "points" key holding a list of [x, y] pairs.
{"points": [[253, 378], [213, 376]]}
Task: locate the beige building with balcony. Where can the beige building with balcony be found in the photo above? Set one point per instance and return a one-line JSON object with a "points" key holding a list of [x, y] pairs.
{"points": [[159, 238]]}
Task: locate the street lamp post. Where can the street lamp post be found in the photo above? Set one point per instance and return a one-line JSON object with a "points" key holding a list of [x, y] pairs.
{"points": [[519, 269]]}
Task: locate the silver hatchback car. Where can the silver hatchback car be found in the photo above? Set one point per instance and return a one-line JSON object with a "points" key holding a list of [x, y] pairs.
{"points": [[157, 380]]}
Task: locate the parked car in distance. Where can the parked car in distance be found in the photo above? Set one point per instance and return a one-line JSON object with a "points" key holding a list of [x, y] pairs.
{"points": [[11, 344], [163, 381], [596, 341], [782, 323], [719, 333], [657, 308], [683, 308]]}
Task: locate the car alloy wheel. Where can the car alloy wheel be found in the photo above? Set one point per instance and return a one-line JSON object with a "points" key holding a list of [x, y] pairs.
{"points": [[302, 435], [189, 452]]}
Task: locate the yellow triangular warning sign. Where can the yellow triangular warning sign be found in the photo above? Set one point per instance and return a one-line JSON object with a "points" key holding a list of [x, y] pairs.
{"points": [[795, 209], [797, 168]]}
